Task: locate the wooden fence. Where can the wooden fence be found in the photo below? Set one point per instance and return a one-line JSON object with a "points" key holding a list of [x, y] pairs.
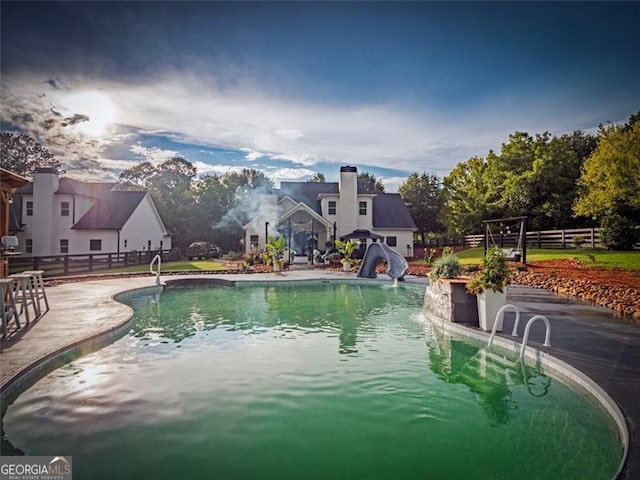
{"points": [[536, 239], [63, 265]]}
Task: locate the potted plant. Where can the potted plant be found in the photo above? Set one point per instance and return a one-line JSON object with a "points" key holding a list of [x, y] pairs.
{"points": [[490, 287], [346, 249], [275, 248]]}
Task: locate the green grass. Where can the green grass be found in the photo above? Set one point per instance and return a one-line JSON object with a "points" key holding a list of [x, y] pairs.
{"points": [[180, 266], [603, 259]]}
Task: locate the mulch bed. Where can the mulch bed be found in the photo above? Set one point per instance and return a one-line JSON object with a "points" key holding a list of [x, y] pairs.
{"points": [[616, 289]]}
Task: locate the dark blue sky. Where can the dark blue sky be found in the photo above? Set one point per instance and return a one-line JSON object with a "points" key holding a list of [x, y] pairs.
{"points": [[393, 87]]}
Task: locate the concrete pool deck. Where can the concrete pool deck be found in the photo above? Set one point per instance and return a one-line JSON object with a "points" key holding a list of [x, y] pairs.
{"points": [[589, 338]]}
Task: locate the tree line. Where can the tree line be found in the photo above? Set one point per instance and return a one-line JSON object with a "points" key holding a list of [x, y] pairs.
{"points": [[568, 181]]}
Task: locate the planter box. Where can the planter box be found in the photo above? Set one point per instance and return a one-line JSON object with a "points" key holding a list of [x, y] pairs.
{"points": [[449, 300], [489, 302]]}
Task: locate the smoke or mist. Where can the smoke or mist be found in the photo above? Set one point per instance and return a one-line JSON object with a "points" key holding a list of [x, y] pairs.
{"points": [[250, 204]]}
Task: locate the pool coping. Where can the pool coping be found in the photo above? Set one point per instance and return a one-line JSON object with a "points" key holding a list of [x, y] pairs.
{"points": [[13, 386]]}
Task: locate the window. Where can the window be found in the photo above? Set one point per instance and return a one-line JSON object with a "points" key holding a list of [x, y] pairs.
{"points": [[29, 209], [64, 245], [64, 209], [28, 245], [392, 241], [125, 243], [332, 207], [254, 241], [95, 245], [363, 208]]}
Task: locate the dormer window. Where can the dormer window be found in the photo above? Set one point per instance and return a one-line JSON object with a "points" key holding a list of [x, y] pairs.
{"points": [[332, 207], [363, 208]]}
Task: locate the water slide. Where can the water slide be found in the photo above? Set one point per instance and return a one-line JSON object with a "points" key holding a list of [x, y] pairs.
{"points": [[397, 265]]}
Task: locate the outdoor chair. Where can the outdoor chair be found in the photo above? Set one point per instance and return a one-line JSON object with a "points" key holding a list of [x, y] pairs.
{"points": [[8, 309]]}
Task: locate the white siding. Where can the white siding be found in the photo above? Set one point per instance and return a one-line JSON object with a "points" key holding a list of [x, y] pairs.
{"points": [[143, 226]]}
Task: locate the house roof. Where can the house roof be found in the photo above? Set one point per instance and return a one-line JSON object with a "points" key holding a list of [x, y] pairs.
{"points": [[75, 187], [111, 211], [390, 211], [307, 192]]}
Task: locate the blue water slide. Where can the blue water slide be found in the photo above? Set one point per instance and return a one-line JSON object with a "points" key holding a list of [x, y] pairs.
{"points": [[397, 265]]}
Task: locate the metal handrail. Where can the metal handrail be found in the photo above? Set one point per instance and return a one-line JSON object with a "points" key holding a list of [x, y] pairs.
{"points": [[525, 337], [157, 258], [499, 319]]}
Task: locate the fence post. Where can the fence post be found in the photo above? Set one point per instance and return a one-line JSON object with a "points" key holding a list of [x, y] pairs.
{"points": [[539, 241], [563, 245], [109, 261], [66, 264], [91, 262], [593, 238], [36, 263]]}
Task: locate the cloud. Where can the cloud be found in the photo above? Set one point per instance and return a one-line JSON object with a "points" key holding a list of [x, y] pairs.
{"points": [[154, 155], [195, 110], [290, 134], [251, 154]]}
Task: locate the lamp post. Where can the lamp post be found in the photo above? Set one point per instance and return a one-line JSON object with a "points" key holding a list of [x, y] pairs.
{"points": [[334, 234]]}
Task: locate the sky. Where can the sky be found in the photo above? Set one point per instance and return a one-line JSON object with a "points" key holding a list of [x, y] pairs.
{"points": [[292, 89]]}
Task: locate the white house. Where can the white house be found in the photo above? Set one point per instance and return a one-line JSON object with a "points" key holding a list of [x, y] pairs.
{"points": [[321, 211], [56, 216]]}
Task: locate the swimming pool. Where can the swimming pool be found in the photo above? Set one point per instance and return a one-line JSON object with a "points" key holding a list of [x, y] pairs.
{"points": [[313, 381]]}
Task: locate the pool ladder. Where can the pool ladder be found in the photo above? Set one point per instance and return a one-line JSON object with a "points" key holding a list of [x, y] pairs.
{"points": [[157, 259], [514, 333]]}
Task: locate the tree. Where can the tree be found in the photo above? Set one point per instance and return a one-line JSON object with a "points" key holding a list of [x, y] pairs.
{"points": [[169, 185], [423, 196], [368, 183], [212, 200], [465, 194], [317, 178], [531, 176], [248, 179], [22, 154], [138, 177], [610, 184]]}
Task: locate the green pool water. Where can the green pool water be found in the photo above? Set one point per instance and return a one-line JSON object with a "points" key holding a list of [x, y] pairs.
{"points": [[330, 381]]}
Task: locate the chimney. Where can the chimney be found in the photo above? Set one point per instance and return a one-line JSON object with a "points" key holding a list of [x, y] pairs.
{"points": [[348, 204], [45, 185]]}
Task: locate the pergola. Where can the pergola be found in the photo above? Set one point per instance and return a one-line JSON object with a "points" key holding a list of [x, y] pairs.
{"points": [[9, 182]]}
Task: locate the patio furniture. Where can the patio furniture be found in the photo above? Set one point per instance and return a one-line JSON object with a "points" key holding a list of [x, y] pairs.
{"points": [[8, 309], [24, 295], [38, 287]]}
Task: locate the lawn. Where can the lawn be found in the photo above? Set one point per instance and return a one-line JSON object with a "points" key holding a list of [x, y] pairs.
{"points": [[180, 266], [603, 258]]}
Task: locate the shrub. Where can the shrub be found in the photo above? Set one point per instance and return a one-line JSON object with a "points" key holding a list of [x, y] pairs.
{"points": [[447, 266], [619, 232], [578, 241]]}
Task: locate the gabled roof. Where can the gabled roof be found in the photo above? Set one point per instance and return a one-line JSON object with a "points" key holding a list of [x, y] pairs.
{"points": [[75, 187], [307, 192], [390, 211], [111, 211]]}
